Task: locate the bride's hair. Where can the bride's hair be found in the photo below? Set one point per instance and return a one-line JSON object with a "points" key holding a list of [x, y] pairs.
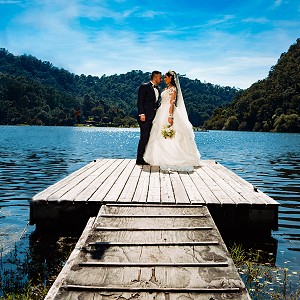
{"points": [[172, 74]]}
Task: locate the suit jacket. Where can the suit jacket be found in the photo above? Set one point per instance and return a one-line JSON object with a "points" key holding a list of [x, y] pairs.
{"points": [[147, 103]]}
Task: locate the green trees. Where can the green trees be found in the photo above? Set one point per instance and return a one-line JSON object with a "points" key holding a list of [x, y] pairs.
{"points": [[287, 123], [35, 92], [272, 104], [231, 123], [24, 101]]}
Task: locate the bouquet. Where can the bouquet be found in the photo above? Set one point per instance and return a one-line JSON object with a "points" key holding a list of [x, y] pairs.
{"points": [[168, 132]]}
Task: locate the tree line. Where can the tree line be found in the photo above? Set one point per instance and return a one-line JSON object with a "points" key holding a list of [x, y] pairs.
{"points": [[35, 92], [271, 104]]}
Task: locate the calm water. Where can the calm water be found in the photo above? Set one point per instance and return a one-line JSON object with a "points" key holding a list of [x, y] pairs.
{"points": [[32, 158]]}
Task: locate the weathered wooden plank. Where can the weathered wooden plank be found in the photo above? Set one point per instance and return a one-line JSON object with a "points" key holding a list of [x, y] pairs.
{"points": [[65, 294], [155, 236], [246, 192], [207, 195], [156, 278], [244, 187], [153, 210], [106, 295], [141, 192], [43, 196], [166, 190], [152, 289], [154, 222], [83, 189], [213, 186], [192, 191], [222, 181], [99, 177], [154, 186], [154, 254], [58, 195], [180, 193], [114, 193], [130, 186], [175, 254], [109, 178]]}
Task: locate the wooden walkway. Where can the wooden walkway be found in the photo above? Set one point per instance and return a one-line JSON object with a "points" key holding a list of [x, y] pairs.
{"points": [[138, 251], [122, 181], [231, 200]]}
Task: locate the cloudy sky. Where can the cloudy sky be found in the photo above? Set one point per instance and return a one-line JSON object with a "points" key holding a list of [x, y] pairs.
{"points": [[219, 41]]}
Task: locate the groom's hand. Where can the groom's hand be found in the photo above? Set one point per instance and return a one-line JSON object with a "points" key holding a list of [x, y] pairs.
{"points": [[142, 118]]}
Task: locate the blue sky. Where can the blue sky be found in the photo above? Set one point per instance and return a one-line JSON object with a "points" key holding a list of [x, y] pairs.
{"points": [[223, 42]]}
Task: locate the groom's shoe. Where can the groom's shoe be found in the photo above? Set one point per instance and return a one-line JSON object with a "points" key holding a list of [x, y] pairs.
{"points": [[141, 162]]}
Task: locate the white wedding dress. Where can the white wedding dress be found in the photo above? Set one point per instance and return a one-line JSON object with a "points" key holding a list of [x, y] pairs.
{"points": [[179, 153]]}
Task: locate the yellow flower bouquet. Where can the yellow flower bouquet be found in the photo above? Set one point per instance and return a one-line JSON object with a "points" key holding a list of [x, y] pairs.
{"points": [[168, 132]]}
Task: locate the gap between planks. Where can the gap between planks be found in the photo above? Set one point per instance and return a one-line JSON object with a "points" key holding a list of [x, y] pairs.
{"points": [[152, 229], [152, 216], [146, 265], [171, 205], [151, 289], [128, 244]]}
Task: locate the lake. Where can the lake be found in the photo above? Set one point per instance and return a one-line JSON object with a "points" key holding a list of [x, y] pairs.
{"points": [[32, 158]]}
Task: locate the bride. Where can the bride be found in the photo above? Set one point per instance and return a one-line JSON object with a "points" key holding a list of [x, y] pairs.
{"points": [[178, 152]]}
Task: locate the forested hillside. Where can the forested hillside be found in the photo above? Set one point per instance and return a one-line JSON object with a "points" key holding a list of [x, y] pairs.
{"points": [[272, 104], [36, 92]]}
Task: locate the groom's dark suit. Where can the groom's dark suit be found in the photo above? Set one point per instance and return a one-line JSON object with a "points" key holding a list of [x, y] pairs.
{"points": [[147, 105]]}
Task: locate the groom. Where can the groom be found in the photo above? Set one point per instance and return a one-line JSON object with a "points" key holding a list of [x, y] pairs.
{"points": [[148, 102]]}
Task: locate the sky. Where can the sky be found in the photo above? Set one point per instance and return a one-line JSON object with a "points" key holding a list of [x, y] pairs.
{"points": [[228, 43]]}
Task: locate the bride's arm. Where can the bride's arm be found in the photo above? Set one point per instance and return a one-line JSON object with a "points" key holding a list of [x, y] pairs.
{"points": [[171, 109]]}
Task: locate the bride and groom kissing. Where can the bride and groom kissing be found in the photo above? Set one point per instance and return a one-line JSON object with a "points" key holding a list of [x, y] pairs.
{"points": [[158, 110]]}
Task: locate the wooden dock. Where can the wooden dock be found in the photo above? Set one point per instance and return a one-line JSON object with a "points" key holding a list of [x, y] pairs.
{"points": [[149, 251], [151, 234], [233, 202]]}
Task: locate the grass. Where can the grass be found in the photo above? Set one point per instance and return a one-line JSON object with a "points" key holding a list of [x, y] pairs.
{"points": [[263, 279], [28, 274]]}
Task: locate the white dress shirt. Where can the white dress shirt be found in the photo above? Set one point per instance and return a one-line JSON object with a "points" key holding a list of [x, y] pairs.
{"points": [[155, 91]]}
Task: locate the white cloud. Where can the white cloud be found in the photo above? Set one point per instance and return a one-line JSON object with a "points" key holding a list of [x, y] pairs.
{"points": [[277, 3], [217, 57], [206, 50], [149, 14], [222, 20], [10, 1], [262, 20]]}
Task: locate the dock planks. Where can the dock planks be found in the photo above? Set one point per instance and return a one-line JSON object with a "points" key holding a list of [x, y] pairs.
{"points": [[235, 204], [121, 181], [155, 236], [150, 252]]}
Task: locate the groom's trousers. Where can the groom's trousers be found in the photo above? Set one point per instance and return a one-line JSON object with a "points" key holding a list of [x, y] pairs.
{"points": [[145, 128]]}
